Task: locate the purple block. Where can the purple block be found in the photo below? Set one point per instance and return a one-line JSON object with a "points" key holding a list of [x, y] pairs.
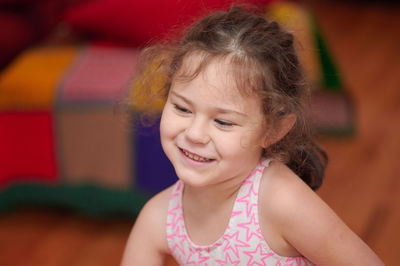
{"points": [[154, 172]]}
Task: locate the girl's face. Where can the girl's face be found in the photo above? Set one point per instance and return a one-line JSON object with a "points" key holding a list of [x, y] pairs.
{"points": [[209, 131]]}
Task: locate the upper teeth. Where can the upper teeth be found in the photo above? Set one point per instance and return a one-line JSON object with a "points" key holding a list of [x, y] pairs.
{"points": [[195, 157]]}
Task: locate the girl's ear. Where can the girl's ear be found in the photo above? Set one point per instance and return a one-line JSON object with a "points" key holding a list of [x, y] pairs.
{"points": [[282, 128]]}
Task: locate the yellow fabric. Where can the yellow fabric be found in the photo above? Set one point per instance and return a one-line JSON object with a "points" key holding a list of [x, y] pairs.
{"points": [[297, 20], [31, 81]]}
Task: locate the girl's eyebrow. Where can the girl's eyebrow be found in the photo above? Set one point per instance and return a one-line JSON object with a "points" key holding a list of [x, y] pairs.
{"points": [[217, 109], [229, 111], [181, 97]]}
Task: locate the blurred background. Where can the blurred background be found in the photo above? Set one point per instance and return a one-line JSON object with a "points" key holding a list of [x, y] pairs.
{"points": [[74, 172]]}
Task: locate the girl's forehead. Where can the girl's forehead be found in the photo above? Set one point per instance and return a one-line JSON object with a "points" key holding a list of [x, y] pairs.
{"points": [[199, 63], [215, 83], [214, 76], [236, 75]]}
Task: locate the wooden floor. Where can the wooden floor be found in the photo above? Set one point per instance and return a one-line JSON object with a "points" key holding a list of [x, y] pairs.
{"points": [[362, 182]]}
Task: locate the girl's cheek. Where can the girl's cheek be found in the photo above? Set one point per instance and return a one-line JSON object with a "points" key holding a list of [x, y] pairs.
{"points": [[164, 124], [170, 123]]}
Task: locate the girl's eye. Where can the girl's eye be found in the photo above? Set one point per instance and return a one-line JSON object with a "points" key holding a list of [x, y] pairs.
{"points": [[181, 109], [224, 123]]}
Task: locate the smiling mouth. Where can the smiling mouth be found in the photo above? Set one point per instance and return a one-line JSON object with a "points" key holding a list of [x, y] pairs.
{"points": [[195, 157]]}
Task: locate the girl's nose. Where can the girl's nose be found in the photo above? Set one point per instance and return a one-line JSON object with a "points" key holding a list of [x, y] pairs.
{"points": [[197, 131]]}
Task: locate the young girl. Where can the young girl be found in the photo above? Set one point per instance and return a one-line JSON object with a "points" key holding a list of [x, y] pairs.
{"points": [[234, 128]]}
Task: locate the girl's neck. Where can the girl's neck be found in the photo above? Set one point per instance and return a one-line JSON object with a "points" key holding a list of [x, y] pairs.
{"points": [[214, 195]]}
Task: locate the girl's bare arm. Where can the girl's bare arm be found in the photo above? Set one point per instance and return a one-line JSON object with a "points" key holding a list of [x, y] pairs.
{"points": [[147, 243], [309, 225]]}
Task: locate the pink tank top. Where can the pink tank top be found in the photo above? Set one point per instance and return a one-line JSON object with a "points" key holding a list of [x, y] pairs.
{"points": [[241, 244]]}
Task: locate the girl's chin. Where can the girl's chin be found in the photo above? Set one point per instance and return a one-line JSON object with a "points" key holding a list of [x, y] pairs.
{"points": [[193, 178]]}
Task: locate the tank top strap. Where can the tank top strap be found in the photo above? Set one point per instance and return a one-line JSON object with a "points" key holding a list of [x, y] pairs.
{"points": [[259, 170], [175, 214], [245, 206]]}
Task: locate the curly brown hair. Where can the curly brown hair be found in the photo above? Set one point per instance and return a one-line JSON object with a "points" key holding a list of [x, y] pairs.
{"points": [[264, 62]]}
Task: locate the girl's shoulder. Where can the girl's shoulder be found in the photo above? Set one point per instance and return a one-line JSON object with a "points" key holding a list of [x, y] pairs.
{"points": [[293, 218], [156, 208], [152, 218], [281, 188], [161, 199], [147, 244], [285, 198]]}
